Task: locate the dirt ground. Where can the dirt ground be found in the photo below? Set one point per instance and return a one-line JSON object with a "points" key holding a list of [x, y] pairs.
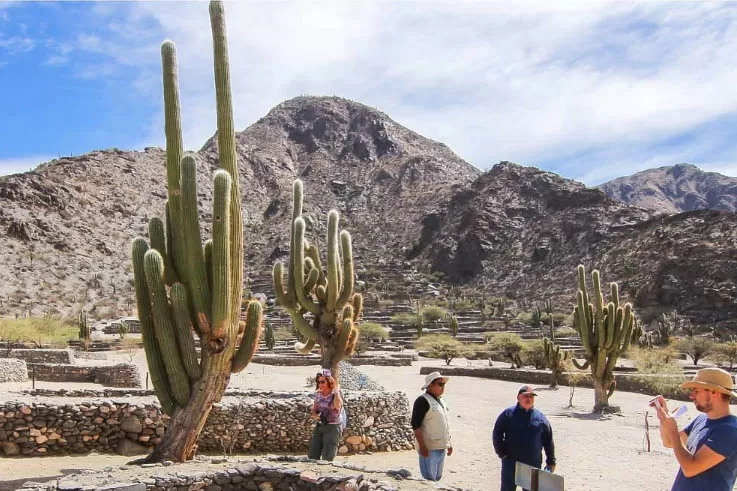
{"points": [[594, 453]]}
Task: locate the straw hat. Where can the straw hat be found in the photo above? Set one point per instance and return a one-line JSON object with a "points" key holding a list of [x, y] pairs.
{"points": [[432, 377], [712, 379]]}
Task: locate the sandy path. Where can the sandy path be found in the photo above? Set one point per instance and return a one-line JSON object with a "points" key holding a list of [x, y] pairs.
{"points": [[594, 454]]}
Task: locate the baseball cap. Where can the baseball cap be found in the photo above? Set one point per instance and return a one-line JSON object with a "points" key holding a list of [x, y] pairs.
{"points": [[526, 389]]}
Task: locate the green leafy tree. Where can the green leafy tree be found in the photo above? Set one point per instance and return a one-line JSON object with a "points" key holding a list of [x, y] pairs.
{"points": [[696, 347], [442, 346], [184, 286], [507, 345], [371, 332], [725, 353]]}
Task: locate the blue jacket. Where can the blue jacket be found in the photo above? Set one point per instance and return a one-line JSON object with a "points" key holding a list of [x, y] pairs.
{"points": [[521, 435]]}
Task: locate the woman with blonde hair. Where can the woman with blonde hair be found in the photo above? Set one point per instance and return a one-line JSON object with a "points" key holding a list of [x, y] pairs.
{"points": [[326, 411]]}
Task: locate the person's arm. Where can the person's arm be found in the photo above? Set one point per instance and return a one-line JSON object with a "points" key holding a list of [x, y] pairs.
{"points": [[420, 408], [337, 401], [549, 446], [498, 436], [313, 411]]}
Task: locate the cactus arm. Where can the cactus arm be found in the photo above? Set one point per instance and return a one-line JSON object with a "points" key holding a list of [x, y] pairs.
{"points": [[207, 251], [221, 254], [153, 265], [174, 151], [610, 317], [357, 306], [333, 264], [306, 347], [312, 277], [582, 287], [348, 277], [155, 361], [299, 261], [281, 294], [183, 323], [251, 335], [157, 235], [314, 254], [580, 366], [297, 200]]}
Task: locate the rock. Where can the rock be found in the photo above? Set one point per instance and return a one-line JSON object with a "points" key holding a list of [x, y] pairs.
{"points": [[131, 425], [129, 448], [10, 449]]}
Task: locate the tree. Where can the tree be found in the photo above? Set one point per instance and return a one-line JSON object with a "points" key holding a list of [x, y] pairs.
{"points": [[726, 352], [371, 332], [508, 345], [441, 346], [182, 287], [606, 333], [327, 295], [695, 347]]}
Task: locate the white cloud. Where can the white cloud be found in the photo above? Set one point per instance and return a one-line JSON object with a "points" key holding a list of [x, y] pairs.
{"points": [[593, 89], [21, 164]]}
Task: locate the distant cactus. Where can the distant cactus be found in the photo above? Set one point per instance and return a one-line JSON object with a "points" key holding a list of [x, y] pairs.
{"points": [[269, 338], [453, 326], [606, 333], [123, 329], [85, 333], [182, 287], [554, 358], [327, 295]]}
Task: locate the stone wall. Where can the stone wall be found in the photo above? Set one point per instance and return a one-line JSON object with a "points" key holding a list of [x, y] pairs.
{"points": [[296, 360], [65, 356], [12, 370], [377, 421], [122, 375]]}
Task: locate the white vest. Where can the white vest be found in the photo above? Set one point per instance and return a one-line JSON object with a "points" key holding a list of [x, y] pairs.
{"points": [[435, 431]]}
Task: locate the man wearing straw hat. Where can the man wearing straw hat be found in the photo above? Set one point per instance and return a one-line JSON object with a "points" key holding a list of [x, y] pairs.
{"points": [[706, 448], [430, 424]]}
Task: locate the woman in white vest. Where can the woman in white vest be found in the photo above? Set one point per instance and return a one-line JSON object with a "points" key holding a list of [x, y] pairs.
{"points": [[430, 424]]}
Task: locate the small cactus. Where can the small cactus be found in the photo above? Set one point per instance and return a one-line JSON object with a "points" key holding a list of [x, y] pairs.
{"points": [[85, 333], [554, 358]]}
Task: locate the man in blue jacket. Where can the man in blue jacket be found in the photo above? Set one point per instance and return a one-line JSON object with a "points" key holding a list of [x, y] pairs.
{"points": [[521, 432]]}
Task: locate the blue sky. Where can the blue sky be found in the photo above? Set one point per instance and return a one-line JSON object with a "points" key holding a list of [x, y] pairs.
{"points": [[589, 90]]}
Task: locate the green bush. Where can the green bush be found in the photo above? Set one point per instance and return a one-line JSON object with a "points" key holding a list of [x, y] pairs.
{"points": [[506, 344], [442, 346], [373, 332], [657, 369], [433, 313], [405, 318], [38, 330], [725, 354], [695, 347], [533, 353]]}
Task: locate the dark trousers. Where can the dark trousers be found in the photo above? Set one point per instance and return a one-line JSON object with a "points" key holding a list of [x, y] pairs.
{"points": [[508, 475], [324, 442]]}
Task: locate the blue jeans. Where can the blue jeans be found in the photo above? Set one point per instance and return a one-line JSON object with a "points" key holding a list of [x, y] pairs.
{"points": [[508, 475], [431, 467]]}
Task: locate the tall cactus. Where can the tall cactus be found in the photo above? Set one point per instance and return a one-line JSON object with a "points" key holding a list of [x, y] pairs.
{"points": [[183, 287], [453, 325], [554, 358], [606, 333], [85, 334], [326, 295]]}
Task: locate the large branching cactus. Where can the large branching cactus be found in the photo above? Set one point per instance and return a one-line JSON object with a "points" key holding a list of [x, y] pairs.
{"points": [[554, 359], [606, 333], [184, 288], [320, 302]]}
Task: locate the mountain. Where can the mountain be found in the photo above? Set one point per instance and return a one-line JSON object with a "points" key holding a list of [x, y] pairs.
{"points": [[675, 189], [416, 211]]}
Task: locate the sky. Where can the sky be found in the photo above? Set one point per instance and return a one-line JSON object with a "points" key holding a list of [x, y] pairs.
{"points": [[589, 90]]}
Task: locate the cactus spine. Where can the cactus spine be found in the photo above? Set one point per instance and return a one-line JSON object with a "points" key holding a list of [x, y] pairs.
{"points": [[606, 333], [325, 293], [184, 288]]}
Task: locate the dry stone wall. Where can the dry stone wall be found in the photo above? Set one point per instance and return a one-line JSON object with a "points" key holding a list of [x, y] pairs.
{"points": [[122, 375], [12, 370], [377, 421], [65, 356]]}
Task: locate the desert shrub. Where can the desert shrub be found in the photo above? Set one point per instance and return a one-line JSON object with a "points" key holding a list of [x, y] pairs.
{"points": [[725, 354], [565, 332], [533, 353], [442, 346], [433, 313], [38, 330], [369, 333], [405, 318], [506, 344], [283, 334], [696, 347], [657, 369], [463, 304]]}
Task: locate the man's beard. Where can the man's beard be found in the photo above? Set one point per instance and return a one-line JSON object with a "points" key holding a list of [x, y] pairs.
{"points": [[706, 406]]}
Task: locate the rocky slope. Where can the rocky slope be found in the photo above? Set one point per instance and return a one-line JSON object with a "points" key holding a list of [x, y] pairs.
{"points": [[414, 208], [675, 189]]}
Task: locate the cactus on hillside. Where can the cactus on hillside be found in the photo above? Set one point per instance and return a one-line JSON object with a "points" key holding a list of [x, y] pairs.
{"points": [[183, 288], [325, 294], [85, 334], [554, 358], [269, 338], [606, 333], [453, 326]]}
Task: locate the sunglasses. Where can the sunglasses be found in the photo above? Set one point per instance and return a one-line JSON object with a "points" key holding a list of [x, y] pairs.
{"points": [[440, 384]]}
